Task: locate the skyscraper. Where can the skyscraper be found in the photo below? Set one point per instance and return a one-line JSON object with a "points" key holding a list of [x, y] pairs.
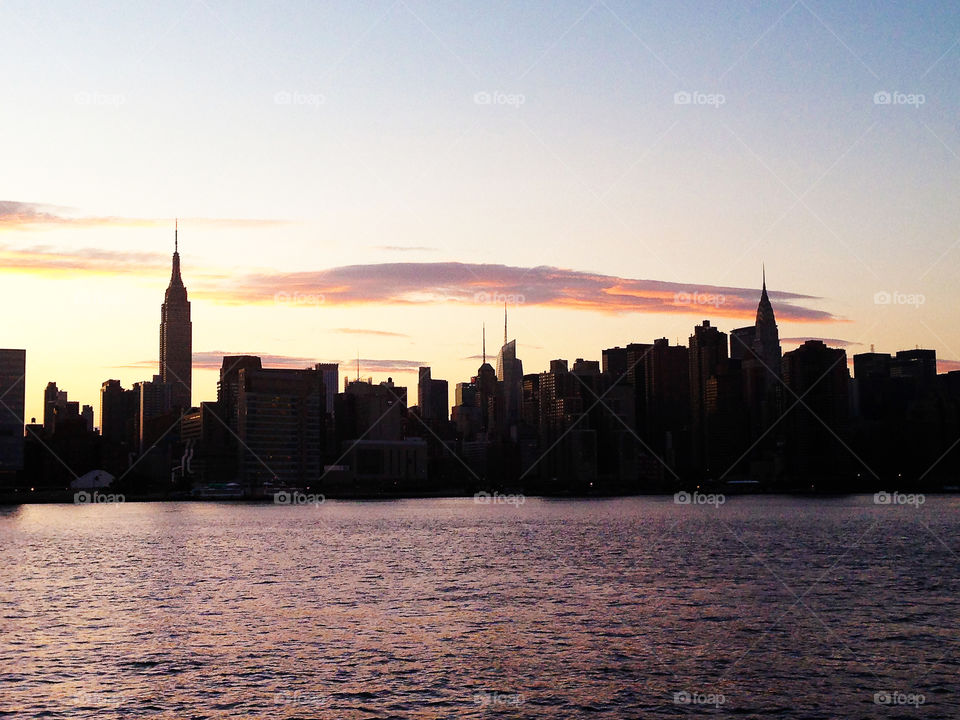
{"points": [[510, 375], [12, 370], [766, 342], [176, 336]]}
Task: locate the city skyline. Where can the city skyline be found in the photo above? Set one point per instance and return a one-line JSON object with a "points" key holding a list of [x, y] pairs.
{"points": [[707, 302], [349, 169]]}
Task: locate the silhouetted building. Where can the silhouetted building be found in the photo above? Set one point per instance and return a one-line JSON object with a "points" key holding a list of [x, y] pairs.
{"points": [[13, 368], [331, 382], [510, 400], [176, 338], [816, 426], [741, 342], [280, 425], [432, 398], [118, 426], [614, 362], [54, 399], [708, 348]]}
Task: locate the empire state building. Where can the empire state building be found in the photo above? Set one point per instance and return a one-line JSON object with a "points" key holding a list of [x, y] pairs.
{"points": [[176, 336]]}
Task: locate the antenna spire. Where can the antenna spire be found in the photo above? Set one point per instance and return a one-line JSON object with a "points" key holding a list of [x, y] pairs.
{"points": [[763, 270], [175, 223], [504, 323], [484, 343]]}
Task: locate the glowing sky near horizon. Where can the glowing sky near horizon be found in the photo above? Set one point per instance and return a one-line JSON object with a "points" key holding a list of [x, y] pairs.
{"points": [[305, 138]]}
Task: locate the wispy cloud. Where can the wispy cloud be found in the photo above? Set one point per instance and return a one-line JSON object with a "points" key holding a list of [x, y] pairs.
{"points": [[378, 333], [405, 248], [430, 283], [464, 283], [15, 215]]}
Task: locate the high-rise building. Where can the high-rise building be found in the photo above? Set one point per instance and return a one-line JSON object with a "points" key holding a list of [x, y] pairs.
{"points": [[176, 337], [819, 375], [87, 414], [331, 373], [432, 397], [708, 348], [766, 343], [510, 377], [13, 365], [280, 425], [54, 399]]}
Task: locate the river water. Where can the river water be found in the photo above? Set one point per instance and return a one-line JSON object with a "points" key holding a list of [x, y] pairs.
{"points": [[640, 607]]}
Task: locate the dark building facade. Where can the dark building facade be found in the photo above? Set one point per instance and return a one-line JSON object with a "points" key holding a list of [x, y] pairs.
{"points": [[176, 337]]}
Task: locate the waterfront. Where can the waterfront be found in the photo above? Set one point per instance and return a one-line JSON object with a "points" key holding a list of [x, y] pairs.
{"points": [[772, 606]]}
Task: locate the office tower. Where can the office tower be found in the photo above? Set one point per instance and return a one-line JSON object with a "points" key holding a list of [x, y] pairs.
{"points": [[819, 375], [331, 373], [487, 389], [13, 367], [154, 409], [373, 412], [741, 342], [465, 394], [87, 415], [708, 348], [54, 400], [586, 368], [614, 362], [466, 414], [510, 377], [176, 337], [724, 422], [280, 425], [118, 425], [117, 408], [432, 397], [872, 385], [667, 399], [228, 387], [921, 365]]}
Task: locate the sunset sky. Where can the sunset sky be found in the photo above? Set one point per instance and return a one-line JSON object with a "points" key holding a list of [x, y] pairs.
{"points": [[375, 178]]}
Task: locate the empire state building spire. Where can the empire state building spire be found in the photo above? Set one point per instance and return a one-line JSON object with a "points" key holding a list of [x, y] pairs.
{"points": [[176, 334]]}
